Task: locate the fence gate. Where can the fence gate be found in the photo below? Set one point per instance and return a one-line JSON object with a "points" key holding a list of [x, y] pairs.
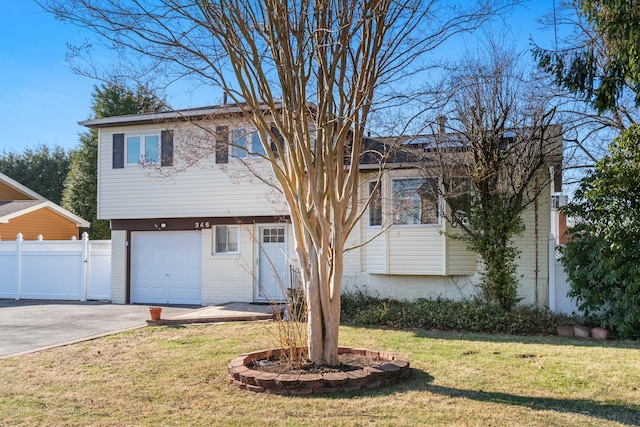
{"points": [[56, 269]]}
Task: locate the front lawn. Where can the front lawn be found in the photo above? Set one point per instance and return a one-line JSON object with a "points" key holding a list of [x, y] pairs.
{"points": [[177, 376]]}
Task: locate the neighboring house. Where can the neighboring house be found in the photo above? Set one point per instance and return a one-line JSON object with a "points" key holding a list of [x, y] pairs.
{"points": [[212, 232], [27, 212]]}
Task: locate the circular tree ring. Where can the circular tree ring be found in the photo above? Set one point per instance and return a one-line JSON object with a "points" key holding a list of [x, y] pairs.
{"points": [[390, 371]]}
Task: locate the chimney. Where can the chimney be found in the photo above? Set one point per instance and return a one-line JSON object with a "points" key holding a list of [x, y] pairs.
{"points": [[442, 122], [224, 98]]}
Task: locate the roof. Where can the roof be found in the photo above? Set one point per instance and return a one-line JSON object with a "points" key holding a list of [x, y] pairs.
{"points": [[10, 209], [20, 188], [173, 116], [13, 209]]}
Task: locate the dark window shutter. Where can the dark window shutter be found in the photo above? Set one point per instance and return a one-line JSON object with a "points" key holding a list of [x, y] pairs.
{"points": [[222, 144], [118, 151], [277, 145], [166, 148]]}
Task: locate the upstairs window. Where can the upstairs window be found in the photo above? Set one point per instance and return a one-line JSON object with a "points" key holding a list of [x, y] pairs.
{"points": [[143, 149], [415, 201], [245, 143]]}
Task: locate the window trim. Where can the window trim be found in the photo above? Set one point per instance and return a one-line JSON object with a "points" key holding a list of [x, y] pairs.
{"points": [[438, 202], [216, 231]]}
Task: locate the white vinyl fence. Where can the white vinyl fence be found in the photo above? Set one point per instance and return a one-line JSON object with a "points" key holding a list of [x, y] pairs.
{"points": [[56, 269], [559, 285]]}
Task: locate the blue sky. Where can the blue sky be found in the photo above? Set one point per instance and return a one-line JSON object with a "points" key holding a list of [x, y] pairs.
{"points": [[41, 100]]}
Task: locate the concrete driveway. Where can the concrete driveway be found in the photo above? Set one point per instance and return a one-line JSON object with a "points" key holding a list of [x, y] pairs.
{"points": [[29, 325]]}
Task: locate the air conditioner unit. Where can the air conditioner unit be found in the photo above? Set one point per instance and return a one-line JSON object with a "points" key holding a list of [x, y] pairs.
{"points": [[558, 200]]}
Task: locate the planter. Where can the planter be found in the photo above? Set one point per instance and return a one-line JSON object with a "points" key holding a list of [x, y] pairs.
{"points": [[599, 333], [155, 312], [565, 331], [391, 369], [581, 331]]}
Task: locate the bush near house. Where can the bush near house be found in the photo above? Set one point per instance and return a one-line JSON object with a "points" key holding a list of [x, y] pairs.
{"points": [[473, 315]]}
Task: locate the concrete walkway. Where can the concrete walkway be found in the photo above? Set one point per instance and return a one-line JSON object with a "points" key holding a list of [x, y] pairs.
{"points": [[229, 312]]}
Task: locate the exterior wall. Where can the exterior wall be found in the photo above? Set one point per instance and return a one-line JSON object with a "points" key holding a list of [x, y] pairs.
{"points": [[228, 277], [9, 193], [204, 189], [404, 261], [533, 244], [450, 270], [119, 266], [43, 222]]}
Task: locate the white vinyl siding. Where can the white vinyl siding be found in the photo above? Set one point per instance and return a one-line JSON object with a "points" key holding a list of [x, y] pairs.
{"points": [[202, 190], [460, 261], [375, 251], [416, 251]]}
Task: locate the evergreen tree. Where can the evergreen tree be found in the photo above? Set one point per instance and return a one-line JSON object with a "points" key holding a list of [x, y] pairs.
{"points": [[81, 186], [601, 60], [42, 170]]}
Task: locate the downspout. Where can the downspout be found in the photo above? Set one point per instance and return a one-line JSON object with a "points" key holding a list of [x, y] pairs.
{"points": [[537, 237]]}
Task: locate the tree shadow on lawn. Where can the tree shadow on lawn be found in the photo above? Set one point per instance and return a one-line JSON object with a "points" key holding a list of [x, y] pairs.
{"points": [[619, 413], [526, 339], [423, 382], [506, 338]]}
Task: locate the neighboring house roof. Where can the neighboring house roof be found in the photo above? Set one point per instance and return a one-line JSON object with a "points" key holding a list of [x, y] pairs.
{"points": [[14, 209], [10, 209], [20, 188]]}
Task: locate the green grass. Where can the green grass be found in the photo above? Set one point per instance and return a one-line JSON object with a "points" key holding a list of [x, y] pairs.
{"points": [[177, 376]]}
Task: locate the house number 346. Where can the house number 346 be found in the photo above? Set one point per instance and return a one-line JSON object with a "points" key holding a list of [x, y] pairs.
{"points": [[199, 225]]}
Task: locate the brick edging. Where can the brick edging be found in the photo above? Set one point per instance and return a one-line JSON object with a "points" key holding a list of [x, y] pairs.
{"points": [[242, 376]]}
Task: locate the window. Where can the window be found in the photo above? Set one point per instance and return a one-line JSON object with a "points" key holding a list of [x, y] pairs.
{"points": [[245, 143], [415, 201], [256, 146], [226, 239], [458, 192], [143, 149], [239, 141], [375, 204], [273, 235]]}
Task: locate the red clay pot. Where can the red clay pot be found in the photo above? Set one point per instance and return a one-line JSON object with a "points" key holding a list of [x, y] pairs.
{"points": [[155, 312]]}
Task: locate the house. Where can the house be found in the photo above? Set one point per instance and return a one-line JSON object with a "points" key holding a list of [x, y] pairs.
{"points": [[193, 224], [27, 212]]}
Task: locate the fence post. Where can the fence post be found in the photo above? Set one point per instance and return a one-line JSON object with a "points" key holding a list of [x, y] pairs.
{"points": [[552, 273], [85, 257], [19, 263]]}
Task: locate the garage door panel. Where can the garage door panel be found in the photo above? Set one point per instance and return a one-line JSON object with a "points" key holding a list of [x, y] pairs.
{"points": [[166, 267]]}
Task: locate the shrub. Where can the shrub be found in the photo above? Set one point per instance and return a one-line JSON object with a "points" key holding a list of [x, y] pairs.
{"points": [[472, 315], [603, 252]]}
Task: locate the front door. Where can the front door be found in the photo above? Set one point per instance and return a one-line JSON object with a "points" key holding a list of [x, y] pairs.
{"points": [[271, 283]]}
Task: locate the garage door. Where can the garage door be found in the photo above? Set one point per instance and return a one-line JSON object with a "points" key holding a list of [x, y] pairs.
{"points": [[165, 267]]}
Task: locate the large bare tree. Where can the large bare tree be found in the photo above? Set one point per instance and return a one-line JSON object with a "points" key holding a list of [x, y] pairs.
{"points": [[307, 74]]}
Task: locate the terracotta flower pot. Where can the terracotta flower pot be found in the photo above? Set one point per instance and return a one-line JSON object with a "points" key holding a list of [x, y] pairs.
{"points": [[581, 331], [155, 312], [599, 333], [565, 331]]}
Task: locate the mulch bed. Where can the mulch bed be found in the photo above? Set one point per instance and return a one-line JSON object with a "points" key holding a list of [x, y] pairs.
{"points": [[348, 362]]}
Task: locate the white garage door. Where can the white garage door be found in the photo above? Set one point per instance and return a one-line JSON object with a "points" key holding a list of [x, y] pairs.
{"points": [[165, 267]]}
